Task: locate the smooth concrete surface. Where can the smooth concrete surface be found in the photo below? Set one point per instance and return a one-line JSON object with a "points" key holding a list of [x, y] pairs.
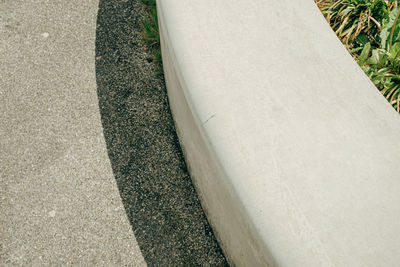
{"points": [[293, 150], [60, 204]]}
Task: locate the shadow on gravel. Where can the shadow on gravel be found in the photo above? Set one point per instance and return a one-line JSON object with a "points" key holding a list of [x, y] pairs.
{"points": [[158, 195]]}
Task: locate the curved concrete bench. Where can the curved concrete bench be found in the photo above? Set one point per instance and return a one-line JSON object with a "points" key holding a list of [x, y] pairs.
{"points": [[294, 152]]}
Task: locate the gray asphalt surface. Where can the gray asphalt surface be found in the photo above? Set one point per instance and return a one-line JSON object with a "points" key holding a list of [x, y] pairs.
{"points": [[59, 202], [159, 198]]}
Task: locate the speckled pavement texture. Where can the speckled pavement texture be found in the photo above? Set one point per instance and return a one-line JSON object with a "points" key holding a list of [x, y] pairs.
{"points": [[59, 202], [159, 198]]}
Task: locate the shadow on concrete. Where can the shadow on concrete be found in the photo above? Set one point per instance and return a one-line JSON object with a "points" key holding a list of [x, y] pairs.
{"points": [[156, 190]]}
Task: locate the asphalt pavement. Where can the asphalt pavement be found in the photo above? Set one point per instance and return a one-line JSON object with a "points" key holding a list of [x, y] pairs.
{"points": [[59, 202]]}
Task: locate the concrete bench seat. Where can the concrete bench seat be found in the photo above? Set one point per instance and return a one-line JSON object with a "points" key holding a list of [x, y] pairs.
{"points": [[294, 152]]}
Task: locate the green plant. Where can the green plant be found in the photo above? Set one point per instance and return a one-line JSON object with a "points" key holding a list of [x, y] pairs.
{"points": [[151, 33], [370, 29], [394, 29], [390, 34], [352, 18]]}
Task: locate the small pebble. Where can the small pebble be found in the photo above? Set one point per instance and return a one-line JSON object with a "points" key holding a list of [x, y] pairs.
{"points": [[52, 213], [45, 34]]}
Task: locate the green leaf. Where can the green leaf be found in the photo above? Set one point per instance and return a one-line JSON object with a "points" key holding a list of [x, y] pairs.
{"points": [[364, 54], [387, 28], [379, 10], [384, 35], [362, 39], [395, 51], [377, 58]]}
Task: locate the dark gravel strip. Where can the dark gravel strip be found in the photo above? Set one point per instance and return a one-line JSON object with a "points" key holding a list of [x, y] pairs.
{"points": [[157, 192]]}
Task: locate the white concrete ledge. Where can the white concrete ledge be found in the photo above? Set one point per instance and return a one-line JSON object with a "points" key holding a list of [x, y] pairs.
{"points": [[294, 152]]}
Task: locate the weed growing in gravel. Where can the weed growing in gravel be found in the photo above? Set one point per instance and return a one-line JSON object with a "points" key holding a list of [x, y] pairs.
{"points": [[370, 30], [151, 34]]}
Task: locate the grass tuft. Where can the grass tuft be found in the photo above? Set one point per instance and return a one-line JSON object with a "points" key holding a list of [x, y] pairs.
{"points": [[151, 33]]}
